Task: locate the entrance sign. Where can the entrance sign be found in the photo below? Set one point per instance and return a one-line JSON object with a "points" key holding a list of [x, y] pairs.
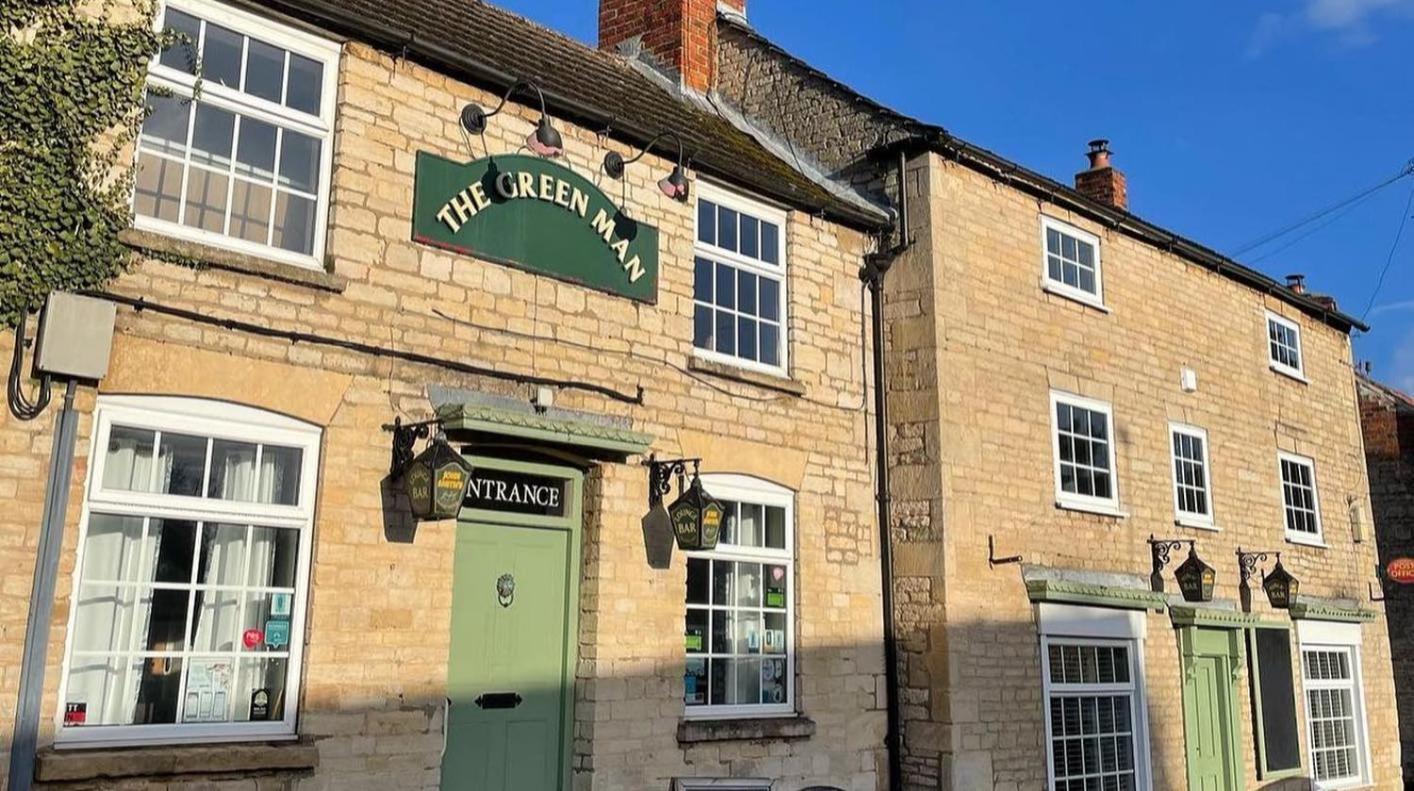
{"points": [[537, 215], [1401, 570], [516, 492]]}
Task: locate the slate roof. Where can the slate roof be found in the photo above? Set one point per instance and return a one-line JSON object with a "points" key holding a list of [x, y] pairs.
{"points": [[491, 47]]}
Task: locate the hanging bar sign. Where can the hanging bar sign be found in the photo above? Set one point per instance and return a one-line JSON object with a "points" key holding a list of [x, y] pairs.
{"points": [[516, 492]]}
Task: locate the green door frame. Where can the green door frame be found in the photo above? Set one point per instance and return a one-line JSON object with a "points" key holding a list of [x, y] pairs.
{"points": [[572, 521], [1188, 649]]}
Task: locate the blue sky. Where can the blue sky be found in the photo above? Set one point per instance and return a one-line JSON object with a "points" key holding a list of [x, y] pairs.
{"points": [[1231, 119]]}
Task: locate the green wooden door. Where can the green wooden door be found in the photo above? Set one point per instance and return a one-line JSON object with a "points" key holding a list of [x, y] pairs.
{"points": [[1210, 657], [509, 673]]}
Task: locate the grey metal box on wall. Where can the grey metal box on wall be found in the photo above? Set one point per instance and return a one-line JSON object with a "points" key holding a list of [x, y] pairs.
{"points": [[75, 336]]}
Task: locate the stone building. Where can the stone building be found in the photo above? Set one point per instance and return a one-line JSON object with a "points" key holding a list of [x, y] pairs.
{"points": [[327, 240], [1387, 416], [1065, 382]]}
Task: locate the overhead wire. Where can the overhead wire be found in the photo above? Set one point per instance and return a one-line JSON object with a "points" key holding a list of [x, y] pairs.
{"points": [[1389, 258], [1261, 241]]}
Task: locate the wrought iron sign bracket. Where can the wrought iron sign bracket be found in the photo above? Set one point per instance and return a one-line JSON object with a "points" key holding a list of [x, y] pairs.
{"points": [[1247, 564], [405, 436], [661, 474], [1159, 550]]}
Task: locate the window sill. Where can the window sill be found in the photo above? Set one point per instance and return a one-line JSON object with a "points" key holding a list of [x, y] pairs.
{"points": [[1289, 373], [1301, 539], [69, 766], [1197, 524], [1092, 508], [745, 729], [217, 258], [1074, 295], [728, 371]]}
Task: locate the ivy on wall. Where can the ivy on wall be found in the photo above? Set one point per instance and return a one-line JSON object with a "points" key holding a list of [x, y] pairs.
{"points": [[73, 76]]}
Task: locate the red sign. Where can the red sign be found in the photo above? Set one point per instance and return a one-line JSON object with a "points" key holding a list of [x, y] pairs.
{"points": [[1401, 570], [75, 713], [253, 638]]}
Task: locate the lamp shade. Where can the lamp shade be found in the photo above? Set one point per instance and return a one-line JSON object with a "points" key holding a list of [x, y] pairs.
{"points": [[545, 141], [696, 518], [436, 481], [1196, 579], [1280, 586], [674, 185]]}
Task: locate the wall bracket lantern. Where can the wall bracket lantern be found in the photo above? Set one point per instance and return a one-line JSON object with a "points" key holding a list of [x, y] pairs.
{"points": [[544, 141], [695, 516], [674, 185], [1280, 585], [1196, 579], [434, 480]]}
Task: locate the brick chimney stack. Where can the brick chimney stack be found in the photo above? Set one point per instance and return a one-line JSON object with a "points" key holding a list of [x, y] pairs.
{"points": [[1103, 182], [681, 34]]}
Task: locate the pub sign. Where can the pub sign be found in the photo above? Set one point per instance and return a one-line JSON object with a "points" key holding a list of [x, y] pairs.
{"points": [[537, 215]]}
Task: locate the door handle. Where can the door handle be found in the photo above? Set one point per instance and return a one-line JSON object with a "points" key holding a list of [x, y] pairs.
{"points": [[498, 700], [446, 723]]}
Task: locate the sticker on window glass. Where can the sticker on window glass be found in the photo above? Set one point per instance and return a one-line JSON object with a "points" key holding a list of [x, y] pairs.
{"points": [[252, 638], [280, 605], [776, 587], [75, 713], [260, 705], [277, 634], [208, 688], [693, 640]]}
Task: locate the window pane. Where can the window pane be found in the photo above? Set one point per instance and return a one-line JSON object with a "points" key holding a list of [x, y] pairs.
{"points": [[770, 299], [695, 632], [112, 549], [305, 83], [255, 155], [695, 682], [157, 189], [100, 691], [726, 228], [748, 632], [697, 580], [770, 343], [706, 221], [775, 527], [280, 475], [748, 682], [749, 237], [232, 471], [748, 526], [250, 211], [264, 675], [773, 681], [746, 293], [746, 338], [726, 286], [299, 161], [164, 130], [773, 639], [726, 332], [104, 618], [217, 623], [206, 200], [274, 557], [748, 587], [208, 691], [128, 463], [223, 549], [722, 676], [221, 56], [174, 543], [702, 327], [264, 71], [770, 243], [776, 584], [181, 54], [181, 463], [702, 280], [294, 223], [723, 632]]}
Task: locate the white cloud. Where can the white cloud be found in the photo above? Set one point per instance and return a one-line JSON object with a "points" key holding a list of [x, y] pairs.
{"points": [[1393, 307], [1352, 22]]}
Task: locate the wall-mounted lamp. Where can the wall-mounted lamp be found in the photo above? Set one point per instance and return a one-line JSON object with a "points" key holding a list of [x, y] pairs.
{"points": [[1280, 586], [1196, 579], [544, 141], [674, 185], [434, 480], [695, 517]]}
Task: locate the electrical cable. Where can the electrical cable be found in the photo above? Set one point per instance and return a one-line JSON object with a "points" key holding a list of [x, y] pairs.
{"points": [[140, 304], [1407, 170], [1403, 220], [20, 405], [1327, 223]]}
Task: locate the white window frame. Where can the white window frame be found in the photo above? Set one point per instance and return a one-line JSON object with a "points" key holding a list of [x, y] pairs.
{"points": [[743, 204], [1298, 372], [1189, 518], [721, 784], [1059, 287], [218, 420], [1109, 506], [1345, 637], [1079, 625], [280, 34], [1296, 536], [755, 491]]}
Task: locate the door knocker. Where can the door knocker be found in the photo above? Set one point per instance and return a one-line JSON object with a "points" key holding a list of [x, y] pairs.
{"points": [[506, 590]]}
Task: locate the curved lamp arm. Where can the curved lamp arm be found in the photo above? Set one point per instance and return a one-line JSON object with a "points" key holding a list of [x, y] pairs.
{"points": [[545, 140], [674, 185]]}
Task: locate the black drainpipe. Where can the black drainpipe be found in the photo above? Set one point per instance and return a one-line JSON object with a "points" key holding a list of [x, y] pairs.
{"points": [[876, 265]]}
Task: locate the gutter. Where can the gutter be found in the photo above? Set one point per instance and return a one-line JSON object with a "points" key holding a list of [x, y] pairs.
{"points": [[327, 14], [1039, 186]]}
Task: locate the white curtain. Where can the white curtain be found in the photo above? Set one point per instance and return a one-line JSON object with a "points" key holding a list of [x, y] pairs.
{"points": [[128, 466]]}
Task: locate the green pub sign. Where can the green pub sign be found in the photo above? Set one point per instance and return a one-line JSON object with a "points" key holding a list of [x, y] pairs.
{"points": [[537, 215]]}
